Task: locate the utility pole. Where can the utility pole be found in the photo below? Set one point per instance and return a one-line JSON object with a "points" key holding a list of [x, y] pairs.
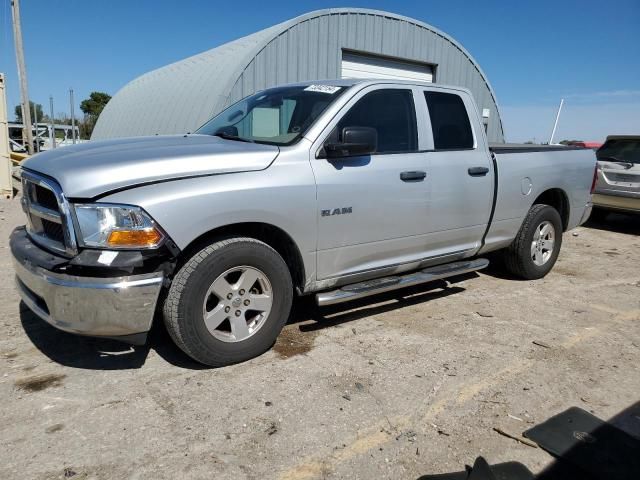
{"points": [[35, 121], [555, 124], [22, 75], [73, 118], [52, 131]]}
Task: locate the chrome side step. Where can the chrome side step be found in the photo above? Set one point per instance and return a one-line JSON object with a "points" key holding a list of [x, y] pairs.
{"points": [[385, 284]]}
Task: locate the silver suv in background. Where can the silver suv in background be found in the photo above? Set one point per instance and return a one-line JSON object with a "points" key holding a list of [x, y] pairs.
{"points": [[617, 186]]}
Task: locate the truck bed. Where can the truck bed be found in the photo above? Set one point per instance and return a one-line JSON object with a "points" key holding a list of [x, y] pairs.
{"points": [[520, 179], [499, 148]]}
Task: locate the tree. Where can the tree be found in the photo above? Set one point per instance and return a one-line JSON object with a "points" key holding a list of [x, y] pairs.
{"points": [[36, 108], [94, 105], [86, 128], [92, 108]]}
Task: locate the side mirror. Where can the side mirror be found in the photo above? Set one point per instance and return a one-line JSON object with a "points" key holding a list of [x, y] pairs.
{"points": [[355, 141], [230, 130]]}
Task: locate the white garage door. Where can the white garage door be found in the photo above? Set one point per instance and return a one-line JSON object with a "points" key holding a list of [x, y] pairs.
{"points": [[363, 66]]}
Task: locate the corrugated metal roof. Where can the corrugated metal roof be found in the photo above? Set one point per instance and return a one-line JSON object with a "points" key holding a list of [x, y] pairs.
{"points": [[182, 96]]}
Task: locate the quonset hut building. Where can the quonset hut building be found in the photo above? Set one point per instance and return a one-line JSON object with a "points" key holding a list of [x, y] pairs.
{"points": [[325, 44]]}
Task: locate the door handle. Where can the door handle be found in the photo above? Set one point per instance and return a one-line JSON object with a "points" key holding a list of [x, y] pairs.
{"points": [[414, 176], [478, 171]]}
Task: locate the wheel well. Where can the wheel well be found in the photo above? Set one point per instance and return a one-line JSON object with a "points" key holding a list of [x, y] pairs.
{"points": [[557, 199], [273, 236]]}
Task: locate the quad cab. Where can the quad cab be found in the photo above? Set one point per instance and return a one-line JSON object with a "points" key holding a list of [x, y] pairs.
{"points": [[339, 189]]}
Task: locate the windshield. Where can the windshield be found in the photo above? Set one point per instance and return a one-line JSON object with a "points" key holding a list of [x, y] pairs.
{"points": [[620, 150], [278, 116]]}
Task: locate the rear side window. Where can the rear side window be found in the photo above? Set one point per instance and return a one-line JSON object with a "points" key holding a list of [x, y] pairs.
{"points": [[391, 113], [449, 121]]}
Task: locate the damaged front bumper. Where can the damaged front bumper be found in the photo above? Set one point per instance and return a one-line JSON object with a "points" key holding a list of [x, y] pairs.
{"points": [[120, 307]]}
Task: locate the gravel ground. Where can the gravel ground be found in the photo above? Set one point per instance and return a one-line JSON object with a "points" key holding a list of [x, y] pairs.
{"points": [[405, 384]]}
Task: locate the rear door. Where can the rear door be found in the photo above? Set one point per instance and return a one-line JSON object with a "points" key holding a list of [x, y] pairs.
{"points": [[461, 177], [370, 214]]}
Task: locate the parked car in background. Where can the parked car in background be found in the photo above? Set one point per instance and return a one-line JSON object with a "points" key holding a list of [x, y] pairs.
{"points": [[618, 183], [339, 189]]}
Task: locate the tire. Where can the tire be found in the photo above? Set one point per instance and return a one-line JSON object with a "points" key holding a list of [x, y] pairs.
{"points": [[526, 260], [198, 290]]}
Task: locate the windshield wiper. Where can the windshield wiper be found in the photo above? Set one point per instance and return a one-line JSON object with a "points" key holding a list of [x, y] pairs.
{"points": [[228, 136], [628, 165]]}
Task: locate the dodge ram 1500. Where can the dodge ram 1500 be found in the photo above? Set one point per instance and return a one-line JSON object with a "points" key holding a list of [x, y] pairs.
{"points": [[340, 189]]}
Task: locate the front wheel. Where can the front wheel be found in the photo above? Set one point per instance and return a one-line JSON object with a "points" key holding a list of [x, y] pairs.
{"points": [[535, 249], [229, 302]]}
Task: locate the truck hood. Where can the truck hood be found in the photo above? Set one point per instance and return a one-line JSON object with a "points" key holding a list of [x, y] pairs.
{"points": [[94, 168]]}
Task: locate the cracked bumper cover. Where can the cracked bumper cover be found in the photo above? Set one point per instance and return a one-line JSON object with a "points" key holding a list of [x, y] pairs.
{"points": [[114, 307]]}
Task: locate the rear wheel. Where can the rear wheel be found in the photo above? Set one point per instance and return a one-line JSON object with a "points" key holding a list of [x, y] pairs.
{"points": [[229, 302], [535, 249]]}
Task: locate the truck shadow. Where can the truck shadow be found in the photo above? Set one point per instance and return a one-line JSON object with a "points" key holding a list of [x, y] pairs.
{"points": [[611, 222], [80, 352], [102, 354], [305, 308], [616, 222]]}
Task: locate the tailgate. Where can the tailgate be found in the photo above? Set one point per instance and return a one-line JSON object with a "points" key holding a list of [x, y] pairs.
{"points": [[618, 178]]}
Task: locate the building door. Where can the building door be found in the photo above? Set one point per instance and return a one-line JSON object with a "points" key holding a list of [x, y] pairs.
{"points": [[356, 65]]}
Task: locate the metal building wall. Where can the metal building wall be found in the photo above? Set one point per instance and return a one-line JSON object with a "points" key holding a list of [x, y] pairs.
{"points": [[308, 47], [179, 97]]}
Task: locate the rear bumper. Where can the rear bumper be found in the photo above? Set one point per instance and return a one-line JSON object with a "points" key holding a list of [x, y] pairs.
{"points": [[617, 202], [116, 307]]}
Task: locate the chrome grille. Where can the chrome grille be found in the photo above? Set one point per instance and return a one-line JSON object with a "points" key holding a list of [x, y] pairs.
{"points": [[45, 197], [53, 230], [49, 221]]}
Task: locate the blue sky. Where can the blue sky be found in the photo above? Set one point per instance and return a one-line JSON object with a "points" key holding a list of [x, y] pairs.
{"points": [[533, 53]]}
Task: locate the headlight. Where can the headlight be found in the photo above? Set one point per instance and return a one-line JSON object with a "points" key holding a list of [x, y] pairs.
{"points": [[116, 226]]}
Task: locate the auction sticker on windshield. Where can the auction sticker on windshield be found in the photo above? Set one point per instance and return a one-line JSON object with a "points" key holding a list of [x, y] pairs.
{"points": [[331, 89]]}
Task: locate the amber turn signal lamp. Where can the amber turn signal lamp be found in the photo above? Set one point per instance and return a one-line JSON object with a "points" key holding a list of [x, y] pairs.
{"points": [[148, 237]]}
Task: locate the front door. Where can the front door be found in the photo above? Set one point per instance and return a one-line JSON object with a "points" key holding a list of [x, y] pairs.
{"points": [[372, 209]]}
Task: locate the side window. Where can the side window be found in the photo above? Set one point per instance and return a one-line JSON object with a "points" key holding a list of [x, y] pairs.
{"points": [[391, 113], [449, 121]]}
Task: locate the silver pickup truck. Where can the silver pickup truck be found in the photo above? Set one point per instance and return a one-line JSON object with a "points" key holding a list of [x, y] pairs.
{"points": [[340, 189]]}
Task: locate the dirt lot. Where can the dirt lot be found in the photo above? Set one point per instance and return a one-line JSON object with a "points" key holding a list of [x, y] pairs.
{"points": [[406, 384]]}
